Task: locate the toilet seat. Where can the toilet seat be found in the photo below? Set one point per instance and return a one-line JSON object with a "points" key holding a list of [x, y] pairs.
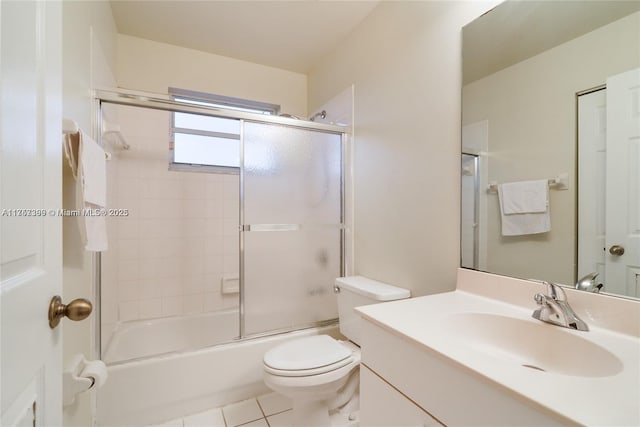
{"points": [[307, 356]]}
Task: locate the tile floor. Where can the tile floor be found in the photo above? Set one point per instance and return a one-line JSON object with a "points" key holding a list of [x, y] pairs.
{"points": [[269, 410]]}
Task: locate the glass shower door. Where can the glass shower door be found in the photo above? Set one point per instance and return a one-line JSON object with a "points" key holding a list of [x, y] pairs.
{"points": [[291, 244]]}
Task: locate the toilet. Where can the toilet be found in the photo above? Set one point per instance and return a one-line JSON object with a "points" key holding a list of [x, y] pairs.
{"points": [[319, 373]]}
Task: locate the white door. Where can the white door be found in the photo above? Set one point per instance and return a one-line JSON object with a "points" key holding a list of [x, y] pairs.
{"points": [[30, 237], [592, 158], [623, 184]]}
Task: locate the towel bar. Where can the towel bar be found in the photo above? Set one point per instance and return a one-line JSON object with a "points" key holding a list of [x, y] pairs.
{"points": [[560, 182]]}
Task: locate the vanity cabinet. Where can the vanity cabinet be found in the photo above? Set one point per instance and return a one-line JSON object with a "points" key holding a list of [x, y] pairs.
{"points": [[406, 383], [382, 405]]}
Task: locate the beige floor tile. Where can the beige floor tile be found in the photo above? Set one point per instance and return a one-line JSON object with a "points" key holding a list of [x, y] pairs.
{"points": [[242, 412], [257, 423], [283, 419], [274, 403]]}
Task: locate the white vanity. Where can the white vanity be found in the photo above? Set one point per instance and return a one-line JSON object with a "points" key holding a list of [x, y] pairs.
{"points": [[476, 356]]}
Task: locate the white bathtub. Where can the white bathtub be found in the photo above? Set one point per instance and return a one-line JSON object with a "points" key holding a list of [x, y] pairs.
{"points": [[145, 338], [160, 388]]}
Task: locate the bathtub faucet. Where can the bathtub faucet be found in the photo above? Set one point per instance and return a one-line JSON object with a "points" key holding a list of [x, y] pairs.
{"points": [[555, 309]]}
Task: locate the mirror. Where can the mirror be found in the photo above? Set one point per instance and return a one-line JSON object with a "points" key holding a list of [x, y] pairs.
{"points": [[547, 88]]}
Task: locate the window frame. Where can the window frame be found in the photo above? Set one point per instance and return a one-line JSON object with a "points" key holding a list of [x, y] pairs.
{"points": [[215, 101]]}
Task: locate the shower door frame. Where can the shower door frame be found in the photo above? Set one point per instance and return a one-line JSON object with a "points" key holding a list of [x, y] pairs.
{"points": [[167, 103]]}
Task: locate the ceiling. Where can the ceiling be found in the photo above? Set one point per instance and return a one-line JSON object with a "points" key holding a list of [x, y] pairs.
{"points": [[516, 30], [291, 35]]}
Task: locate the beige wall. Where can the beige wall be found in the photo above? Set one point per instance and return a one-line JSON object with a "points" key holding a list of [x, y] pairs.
{"points": [[404, 62], [151, 66], [89, 47], [531, 110]]}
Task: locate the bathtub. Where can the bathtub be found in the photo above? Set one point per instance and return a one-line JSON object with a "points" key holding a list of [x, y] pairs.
{"points": [[145, 338], [150, 390]]}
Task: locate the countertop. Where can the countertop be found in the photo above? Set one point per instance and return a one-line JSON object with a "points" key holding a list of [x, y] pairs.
{"points": [[613, 399]]}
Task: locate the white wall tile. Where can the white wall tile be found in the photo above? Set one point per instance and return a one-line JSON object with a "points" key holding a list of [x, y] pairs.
{"points": [[231, 264], [230, 301], [128, 270], [172, 306], [128, 227], [213, 282], [230, 227], [128, 290], [170, 249], [193, 285], [170, 287], [128, 250], [193, 227], [150, 308], [149, 288], [192, 304], [212, 301], [194, 188], [128, 310], [128, 188], [148, 268]]}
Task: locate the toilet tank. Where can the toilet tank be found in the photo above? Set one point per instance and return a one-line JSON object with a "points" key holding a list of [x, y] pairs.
{"points": [[356, 291]]}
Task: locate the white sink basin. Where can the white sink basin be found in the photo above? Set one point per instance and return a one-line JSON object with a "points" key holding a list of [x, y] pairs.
{"points": [[532, 344]]}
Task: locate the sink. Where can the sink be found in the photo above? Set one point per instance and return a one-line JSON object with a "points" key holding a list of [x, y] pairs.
{"points": [[532, 345]]}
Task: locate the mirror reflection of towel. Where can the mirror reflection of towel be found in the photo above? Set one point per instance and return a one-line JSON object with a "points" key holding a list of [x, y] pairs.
{"points": [[524, 207]]}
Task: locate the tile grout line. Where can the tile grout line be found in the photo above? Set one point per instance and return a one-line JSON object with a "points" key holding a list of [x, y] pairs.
{"points": [[263, 413], [224, 418]]}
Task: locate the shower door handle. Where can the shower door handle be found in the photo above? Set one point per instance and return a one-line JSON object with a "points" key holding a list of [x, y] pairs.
{"points": [[270, 227]]}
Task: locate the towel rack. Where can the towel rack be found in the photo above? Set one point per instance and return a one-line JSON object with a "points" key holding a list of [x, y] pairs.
{"points": [[70, 127], [560, 182], [112, 129]]}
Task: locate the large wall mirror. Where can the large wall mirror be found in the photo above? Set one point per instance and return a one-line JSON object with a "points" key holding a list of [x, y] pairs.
{"points": [[551, 142]]}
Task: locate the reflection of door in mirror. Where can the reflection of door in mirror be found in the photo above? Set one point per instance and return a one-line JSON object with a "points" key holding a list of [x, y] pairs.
{"points": [[609, 184], [473, 238], [469, 218]]}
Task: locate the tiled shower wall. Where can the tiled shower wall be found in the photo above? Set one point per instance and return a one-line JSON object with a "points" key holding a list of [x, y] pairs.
{"points": [[170, 254]]}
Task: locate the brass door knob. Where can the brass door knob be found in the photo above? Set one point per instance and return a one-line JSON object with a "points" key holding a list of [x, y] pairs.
{"points": [[78, 309], [616, 250]]}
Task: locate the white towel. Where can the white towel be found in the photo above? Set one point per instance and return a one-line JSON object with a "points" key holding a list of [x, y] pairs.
{"points": [[71, 144], [524, 207], [524, 197], [93, 181], [94, 171]]}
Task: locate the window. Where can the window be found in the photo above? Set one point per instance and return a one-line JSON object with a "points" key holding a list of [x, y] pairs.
{"points": [[212, 142]]}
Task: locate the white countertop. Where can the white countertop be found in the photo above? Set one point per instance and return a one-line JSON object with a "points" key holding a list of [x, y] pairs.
{"points": [[601, 400]]}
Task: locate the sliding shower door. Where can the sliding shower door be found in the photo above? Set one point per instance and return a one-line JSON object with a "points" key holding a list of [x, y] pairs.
{"points": [[291, 215]]}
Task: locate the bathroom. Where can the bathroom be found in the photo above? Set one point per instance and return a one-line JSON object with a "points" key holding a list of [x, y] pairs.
{"points": [[394, 74]]}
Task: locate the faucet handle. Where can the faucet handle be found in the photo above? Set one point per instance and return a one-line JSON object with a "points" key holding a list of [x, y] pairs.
{"points": [[555, 291]]}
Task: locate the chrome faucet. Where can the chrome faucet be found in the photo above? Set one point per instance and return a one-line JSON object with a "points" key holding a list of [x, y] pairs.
{"points": [[588, 283], [555, 309]]}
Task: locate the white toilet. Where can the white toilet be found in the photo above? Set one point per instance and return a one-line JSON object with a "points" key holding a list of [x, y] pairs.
{"points": [[318, 373]]}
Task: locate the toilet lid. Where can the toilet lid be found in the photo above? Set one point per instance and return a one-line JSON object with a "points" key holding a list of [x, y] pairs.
{"points": [[306, 353]]}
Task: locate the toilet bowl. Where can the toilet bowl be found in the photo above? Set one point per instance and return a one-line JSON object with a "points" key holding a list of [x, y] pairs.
{"points": [[319, 373]]}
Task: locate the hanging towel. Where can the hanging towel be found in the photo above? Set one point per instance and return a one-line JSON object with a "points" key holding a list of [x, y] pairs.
{"points": [[524, 197], [93, 181], [524, 207], [71, 146], [94, 171]]}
